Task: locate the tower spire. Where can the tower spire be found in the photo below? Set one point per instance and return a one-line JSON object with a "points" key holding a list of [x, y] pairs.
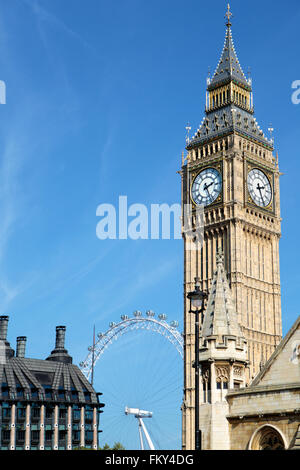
{"points": [[229, 67], [229, 91], [220, 317]]}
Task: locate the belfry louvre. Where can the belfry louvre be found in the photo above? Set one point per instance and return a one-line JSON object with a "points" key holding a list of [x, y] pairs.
{"points": [[45, 404]]}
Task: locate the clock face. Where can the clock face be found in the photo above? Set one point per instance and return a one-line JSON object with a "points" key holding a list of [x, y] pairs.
{"points": [[259, 188], [206, 186]]}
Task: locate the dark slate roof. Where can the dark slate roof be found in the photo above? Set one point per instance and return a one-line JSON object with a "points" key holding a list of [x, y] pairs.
{"points": [[35, 378], [229, 67], [228, 119], [37, 374]]}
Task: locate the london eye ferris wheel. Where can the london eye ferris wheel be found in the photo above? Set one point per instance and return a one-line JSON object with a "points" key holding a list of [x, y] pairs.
{"points": [[137, 362]]}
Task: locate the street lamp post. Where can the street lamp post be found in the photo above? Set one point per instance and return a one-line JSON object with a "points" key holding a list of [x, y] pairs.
{"points": [[197, 298]]}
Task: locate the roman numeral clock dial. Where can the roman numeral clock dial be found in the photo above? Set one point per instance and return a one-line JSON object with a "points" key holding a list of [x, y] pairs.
{"points": [[206, 187], [259, 188]]}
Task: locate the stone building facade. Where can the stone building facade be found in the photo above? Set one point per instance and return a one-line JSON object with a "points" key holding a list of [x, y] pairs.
{"points": [[266, 415], [45, 404]]}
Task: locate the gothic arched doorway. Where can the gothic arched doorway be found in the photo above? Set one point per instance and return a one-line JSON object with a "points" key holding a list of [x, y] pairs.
{"points": [[267, 438]]}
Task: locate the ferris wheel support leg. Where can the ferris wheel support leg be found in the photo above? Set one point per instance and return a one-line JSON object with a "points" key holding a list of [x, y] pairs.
{"points": [[148, 438], [141, 435]]}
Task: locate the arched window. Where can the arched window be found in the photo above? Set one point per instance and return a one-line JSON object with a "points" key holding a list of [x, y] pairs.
{"points": [[271, 441], [206, 386], [267, 438]]}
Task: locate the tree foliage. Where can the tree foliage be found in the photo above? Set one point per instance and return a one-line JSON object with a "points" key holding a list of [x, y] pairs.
{"points": [[116, 446]]}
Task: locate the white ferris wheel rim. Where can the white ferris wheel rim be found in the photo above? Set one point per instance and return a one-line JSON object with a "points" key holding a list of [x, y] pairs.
{"points": [[127, 325]]}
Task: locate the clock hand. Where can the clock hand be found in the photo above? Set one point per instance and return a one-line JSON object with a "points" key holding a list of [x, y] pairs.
{"points": [[206, 189], [208, 185], [260, 188]]}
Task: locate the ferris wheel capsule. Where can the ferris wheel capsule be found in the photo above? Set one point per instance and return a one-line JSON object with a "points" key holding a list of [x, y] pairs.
{"points": [[124, 317], [162, 316], [150, 313], [90, 348], [137, 313], [174, 324], [112, 324], [100, 335]]}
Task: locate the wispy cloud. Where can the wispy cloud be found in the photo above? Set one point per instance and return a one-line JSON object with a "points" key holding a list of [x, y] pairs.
{"points": [[44, 16], [10, 291], [8, 174], [13, 200], [71, 280], [140, 280]]}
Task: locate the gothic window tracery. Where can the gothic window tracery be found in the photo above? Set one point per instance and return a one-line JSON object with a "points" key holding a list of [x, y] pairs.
{"points": [[222, 378], [268, 438]]}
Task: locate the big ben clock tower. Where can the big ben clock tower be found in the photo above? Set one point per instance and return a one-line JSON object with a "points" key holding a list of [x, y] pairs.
{"points": [[231, 171]]}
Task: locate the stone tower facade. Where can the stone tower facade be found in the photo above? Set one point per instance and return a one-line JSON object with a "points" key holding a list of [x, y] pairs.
{"points": [[231, 170], [223, 361]]}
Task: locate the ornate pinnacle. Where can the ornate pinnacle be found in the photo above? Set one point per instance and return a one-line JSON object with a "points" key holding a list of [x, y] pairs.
{"points": [[228, 16], [220, 256]]}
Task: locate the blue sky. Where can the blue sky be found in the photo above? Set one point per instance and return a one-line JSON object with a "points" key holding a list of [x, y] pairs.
{"points": [[98, 97]]}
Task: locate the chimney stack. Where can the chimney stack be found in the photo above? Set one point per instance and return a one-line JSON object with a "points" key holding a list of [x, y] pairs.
{"points": [[21, 346], [60, 337], [6, 351], [60, 354], [3, 327]]}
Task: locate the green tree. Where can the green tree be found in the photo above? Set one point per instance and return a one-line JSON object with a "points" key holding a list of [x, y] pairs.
{"points": [[116, 446]]}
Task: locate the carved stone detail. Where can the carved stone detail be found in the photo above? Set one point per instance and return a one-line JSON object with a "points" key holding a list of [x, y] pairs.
{"points": [[222, 374], [237, 371]]}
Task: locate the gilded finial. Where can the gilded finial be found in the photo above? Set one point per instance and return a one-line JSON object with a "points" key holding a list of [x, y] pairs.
{"points": [[228, 16]]}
